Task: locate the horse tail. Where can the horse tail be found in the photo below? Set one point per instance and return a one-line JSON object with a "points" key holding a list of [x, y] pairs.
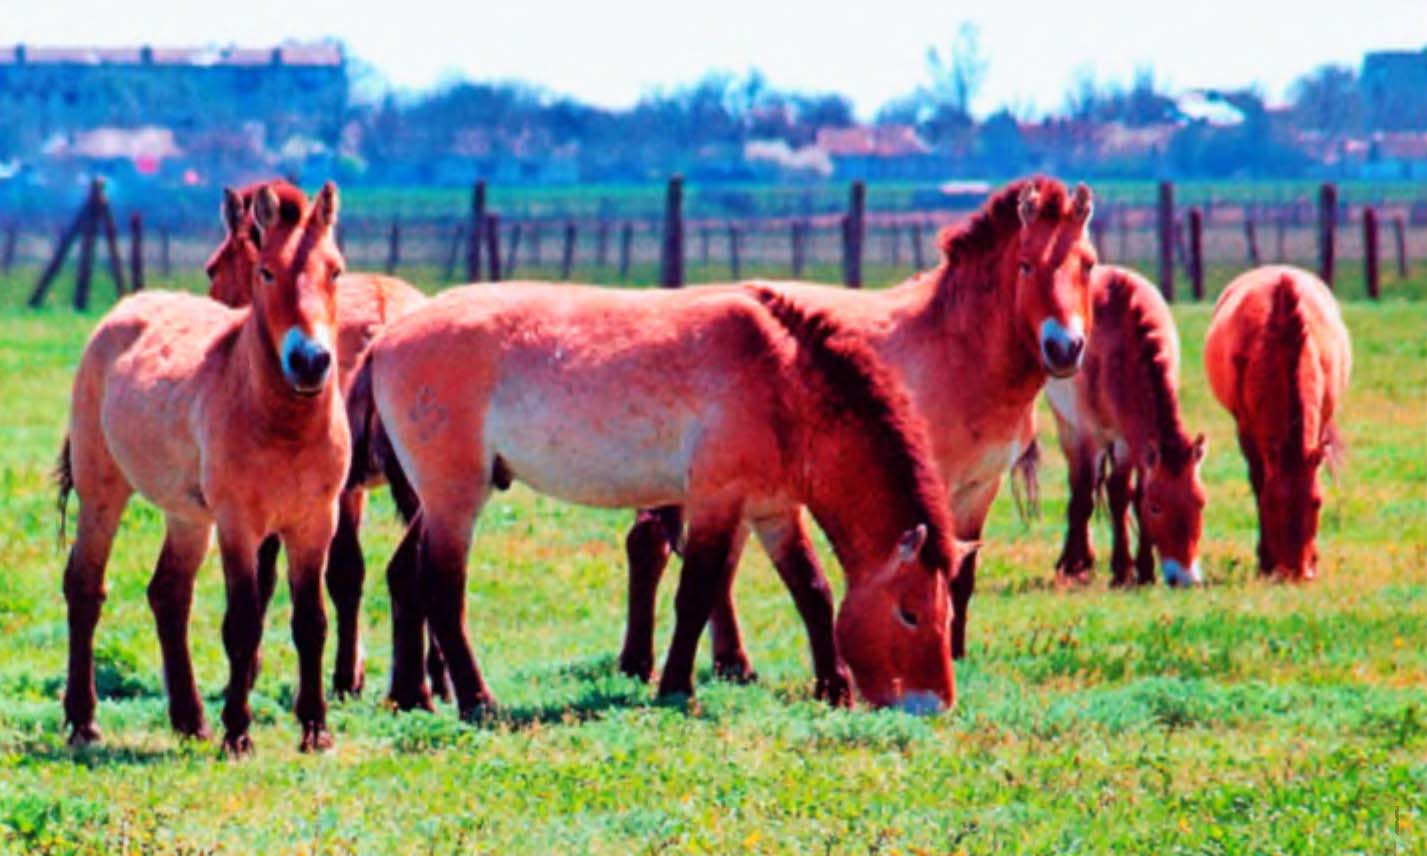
{"points": [[64, 480], [1025, 482], [373, 457]]}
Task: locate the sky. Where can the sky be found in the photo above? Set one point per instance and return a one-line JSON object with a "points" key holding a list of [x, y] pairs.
{"points": [[612, 51]]}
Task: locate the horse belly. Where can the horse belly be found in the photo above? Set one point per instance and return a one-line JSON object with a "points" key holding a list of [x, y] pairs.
{"points": [[615, 451], [147, 435]]}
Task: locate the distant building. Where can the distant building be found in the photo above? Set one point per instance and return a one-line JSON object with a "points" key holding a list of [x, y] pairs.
{"points": [[1394, 90], [881, 152], [291, 89]]}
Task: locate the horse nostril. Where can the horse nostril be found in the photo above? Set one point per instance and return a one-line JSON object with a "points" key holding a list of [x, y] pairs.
{"points": [[1075, 346], [321, 359]]}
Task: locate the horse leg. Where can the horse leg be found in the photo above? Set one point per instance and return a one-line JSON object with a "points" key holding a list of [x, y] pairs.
{"points": [[648, 546], [408, 688], [786, 541], [346, 572], [969, 509], [1117, 487], [307, 548], [445, 543], [1144, 550], [267, 583], [730, 660], [436, 671], [170, 596], [84, 592], [701, 581], [1077, 557], [242, 631], [1256, 478]]}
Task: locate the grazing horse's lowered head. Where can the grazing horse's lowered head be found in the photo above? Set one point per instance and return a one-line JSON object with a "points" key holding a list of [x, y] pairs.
{"points": [[293, 290], [1172, 500]]}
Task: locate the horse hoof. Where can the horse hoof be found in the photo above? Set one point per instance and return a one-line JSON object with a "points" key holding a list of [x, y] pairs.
{"points": [[411, 700], [836, 691], [315, 738], [236, 746], [85, 735], [482, 709], [193, 731], [348, 686], [735, 669], [639, 667]]}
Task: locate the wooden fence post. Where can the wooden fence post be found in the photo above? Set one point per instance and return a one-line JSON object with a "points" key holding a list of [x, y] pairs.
{"points": [[393, 246], [895, 243], [796, 236], [1370, 272], [165, 260], [917, 249], [733, 259], [512, 253], [7, 254], [1122, 223], [1196, 252], [1280, 228], [85, 274], [671, 264], [1251, 240], [535, 254], [477, 234], [493, 246], [626, 247], [602, 244], [567, 256], [852, 235], [1097, 237], [1166, 240], [1399, 233], [136, 251], [1327, 230]]}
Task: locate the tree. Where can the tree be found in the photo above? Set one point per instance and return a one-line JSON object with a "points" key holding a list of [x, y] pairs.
{"points": [[956, 78], [1328, 99]]}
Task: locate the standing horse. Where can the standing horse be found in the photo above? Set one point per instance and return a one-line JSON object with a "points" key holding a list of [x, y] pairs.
{"points": [[1120, 428], [740, 410], [220, 417], [1278, 358], [365, 304], [973, 341]]}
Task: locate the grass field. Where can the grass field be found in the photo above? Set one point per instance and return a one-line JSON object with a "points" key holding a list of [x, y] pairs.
{"points": [[1243, 717]]}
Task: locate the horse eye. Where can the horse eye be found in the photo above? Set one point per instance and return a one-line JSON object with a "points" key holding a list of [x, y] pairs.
{"points": [[1025, 268], [266, 274], [906, 617]]}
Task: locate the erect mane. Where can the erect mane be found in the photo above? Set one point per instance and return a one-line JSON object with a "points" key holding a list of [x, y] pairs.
{"points": [[865, 390], [1285, 336], [999, 219], [1154, 368]]}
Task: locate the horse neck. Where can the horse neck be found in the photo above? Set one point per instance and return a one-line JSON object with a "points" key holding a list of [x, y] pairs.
{"points": [[851, 494], [1288, 387], [258, 385], [1146, 402]]}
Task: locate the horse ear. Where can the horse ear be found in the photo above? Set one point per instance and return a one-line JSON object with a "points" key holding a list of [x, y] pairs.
{"points": [[1082, 205], [1028, 204], [265, 208], [1151, 457], [232, 210], [326, 206], [911, 542], [1200, 447]]}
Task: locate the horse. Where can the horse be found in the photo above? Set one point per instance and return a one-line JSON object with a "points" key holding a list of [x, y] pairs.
{"points": [[226, 418], [1278, 358], [973, 340], [1120, 427], [740, 407], [365, 304]]}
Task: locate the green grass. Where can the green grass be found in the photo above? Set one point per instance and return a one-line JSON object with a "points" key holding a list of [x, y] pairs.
{"points": [[1244, 717]]}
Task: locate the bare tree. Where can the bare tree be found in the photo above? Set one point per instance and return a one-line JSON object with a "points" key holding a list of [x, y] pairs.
{"points": [[956, 78]]}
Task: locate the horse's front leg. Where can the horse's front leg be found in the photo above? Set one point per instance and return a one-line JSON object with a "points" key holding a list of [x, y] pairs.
{"points": [[307, 548], [702, 580], [170, 595], [787, 542], [242, 629]]}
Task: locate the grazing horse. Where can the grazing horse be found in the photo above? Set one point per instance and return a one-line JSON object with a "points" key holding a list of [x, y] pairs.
{"points": [[365, 304], [1278, 358], [220, 417], [741, 410], [1120, 428], [973, 341]]}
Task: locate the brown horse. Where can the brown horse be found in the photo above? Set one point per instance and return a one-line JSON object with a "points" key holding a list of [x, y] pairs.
{"points": [[1278, 358], [1120, 428], [739, 409], [973, 341], [220, 417], [365, 304]]}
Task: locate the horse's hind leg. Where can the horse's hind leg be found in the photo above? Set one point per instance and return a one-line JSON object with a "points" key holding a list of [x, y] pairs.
{"points": [[1077, 557], [445, 542], [346, 572], [787, 543], [103, 493], [647, 547], [436, 671], [730, 660], [701, 582], [171, 599]]}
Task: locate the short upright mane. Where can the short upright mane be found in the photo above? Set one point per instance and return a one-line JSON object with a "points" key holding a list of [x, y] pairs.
{"points": [[864, 388], [999, 218], [1285, 337], [1154, 368]]}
